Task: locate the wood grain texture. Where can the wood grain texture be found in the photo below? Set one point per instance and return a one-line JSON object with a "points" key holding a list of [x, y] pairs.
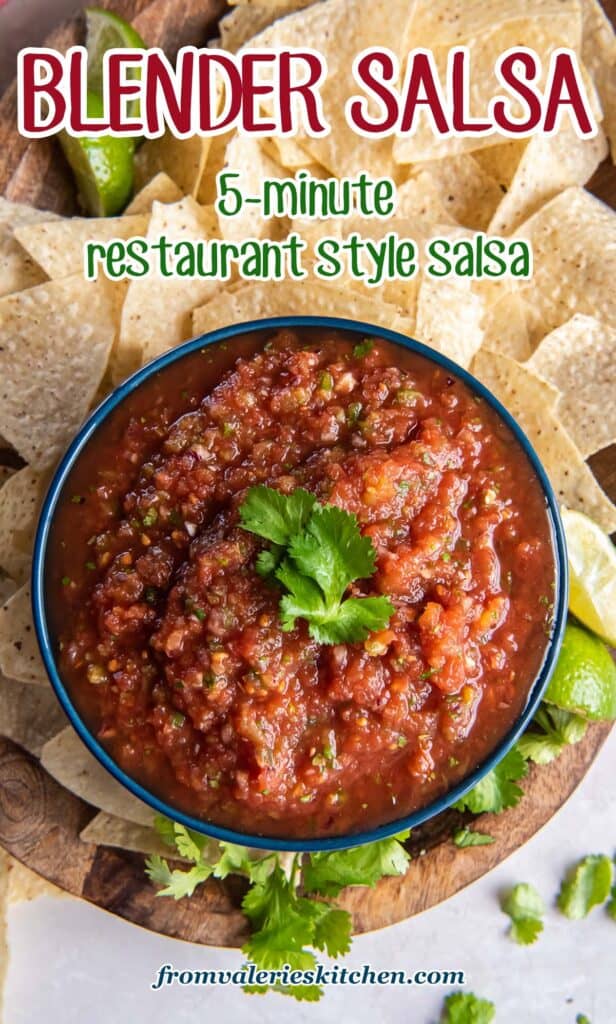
{"points": [[40, 821]]}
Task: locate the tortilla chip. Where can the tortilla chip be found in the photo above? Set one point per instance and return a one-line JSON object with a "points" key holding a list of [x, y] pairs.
{"points": [[301, 298], [548, 165], [109, 830], [66, 758], [599, 56], [340, 29], [242, 23], [157, 311], [19, 653], [29, 715], [449, 317], [579, 359], [286, 5], [542, 26], [20, 498], [246, 156], [289, 154], [8, 587], [505, 328], [160, 189], [501, 161], [17, 268], [208, 192], [454, 21], [421, 198], [467, 192], [25, 885], [574, 262], [57, 246], [55, 340], [183, 160], [524, 394]]}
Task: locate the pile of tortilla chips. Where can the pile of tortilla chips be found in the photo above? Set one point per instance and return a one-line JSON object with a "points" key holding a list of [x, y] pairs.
{"points": [[546, 347]]}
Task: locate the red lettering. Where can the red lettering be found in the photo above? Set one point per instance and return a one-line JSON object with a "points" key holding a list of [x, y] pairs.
{"points": [[358, 108], [252, 89], [565, 88], [307, 90], [421, 73], [460, 90], [161, 89], [118, 89], [506, 70], [31, 91], [232, 90]]}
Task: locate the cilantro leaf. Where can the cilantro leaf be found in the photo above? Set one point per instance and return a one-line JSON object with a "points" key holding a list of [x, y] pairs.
{"points": [[466, 837], [497, 790], [165, 828], [332, 551], [233, 860], [348, 622], [587, 884], [526, 908], [332, 930], [189, 844], [466, 1008], [328, 873], [275, 516], [284, 924], [552, 730], [176, 883], [581, 1018]]}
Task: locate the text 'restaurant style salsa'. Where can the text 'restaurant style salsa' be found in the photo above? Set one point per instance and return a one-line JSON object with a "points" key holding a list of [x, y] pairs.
{"points": [[171, 641]]}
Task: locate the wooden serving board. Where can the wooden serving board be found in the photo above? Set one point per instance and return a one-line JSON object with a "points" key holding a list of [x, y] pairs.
{"points": [[40, 821]]}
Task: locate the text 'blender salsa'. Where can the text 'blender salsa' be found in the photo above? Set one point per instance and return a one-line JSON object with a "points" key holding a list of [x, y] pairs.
{"points": [[171, 642]]}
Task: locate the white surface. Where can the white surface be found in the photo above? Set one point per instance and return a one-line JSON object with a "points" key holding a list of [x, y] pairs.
{"points": [[74, 964]]}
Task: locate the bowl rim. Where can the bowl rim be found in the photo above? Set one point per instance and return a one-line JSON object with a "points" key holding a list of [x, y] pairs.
{"points": [[278, 843]]}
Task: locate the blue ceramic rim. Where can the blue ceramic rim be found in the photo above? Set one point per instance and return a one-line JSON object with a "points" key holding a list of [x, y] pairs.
{"points": [[53, 495]]}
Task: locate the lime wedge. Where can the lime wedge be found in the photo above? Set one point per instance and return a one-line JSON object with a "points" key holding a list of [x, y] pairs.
{"points": [[105, 31], [103, 167], [584, 679], [592, 569]]}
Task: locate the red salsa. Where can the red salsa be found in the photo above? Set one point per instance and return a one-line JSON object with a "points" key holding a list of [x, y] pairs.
{"points": [[171, 644]]}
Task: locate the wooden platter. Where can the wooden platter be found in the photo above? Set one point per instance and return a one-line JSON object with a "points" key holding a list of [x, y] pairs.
{"points": [[40, 821]]}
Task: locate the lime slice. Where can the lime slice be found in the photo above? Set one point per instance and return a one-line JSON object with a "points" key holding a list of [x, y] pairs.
{"points": [[106, 31], [584, 679], [592, 569], [103, 167]]}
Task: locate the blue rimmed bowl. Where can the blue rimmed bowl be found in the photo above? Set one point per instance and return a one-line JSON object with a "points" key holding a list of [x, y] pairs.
{"points": [[44, 629]]}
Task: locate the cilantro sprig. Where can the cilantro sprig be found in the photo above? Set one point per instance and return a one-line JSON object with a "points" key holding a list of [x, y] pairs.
{"points": [[287, 922], [316, 552]]}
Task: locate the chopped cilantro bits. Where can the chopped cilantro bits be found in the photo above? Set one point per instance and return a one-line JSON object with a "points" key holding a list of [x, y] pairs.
{"points": [[66, 581], [150, 517], [466, 837], [467, 1008], [524, 905], [586, 885], [364, 348]]}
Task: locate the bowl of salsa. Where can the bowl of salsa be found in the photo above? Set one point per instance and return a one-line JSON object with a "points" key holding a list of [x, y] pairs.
{"points": [[300, 583]]}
